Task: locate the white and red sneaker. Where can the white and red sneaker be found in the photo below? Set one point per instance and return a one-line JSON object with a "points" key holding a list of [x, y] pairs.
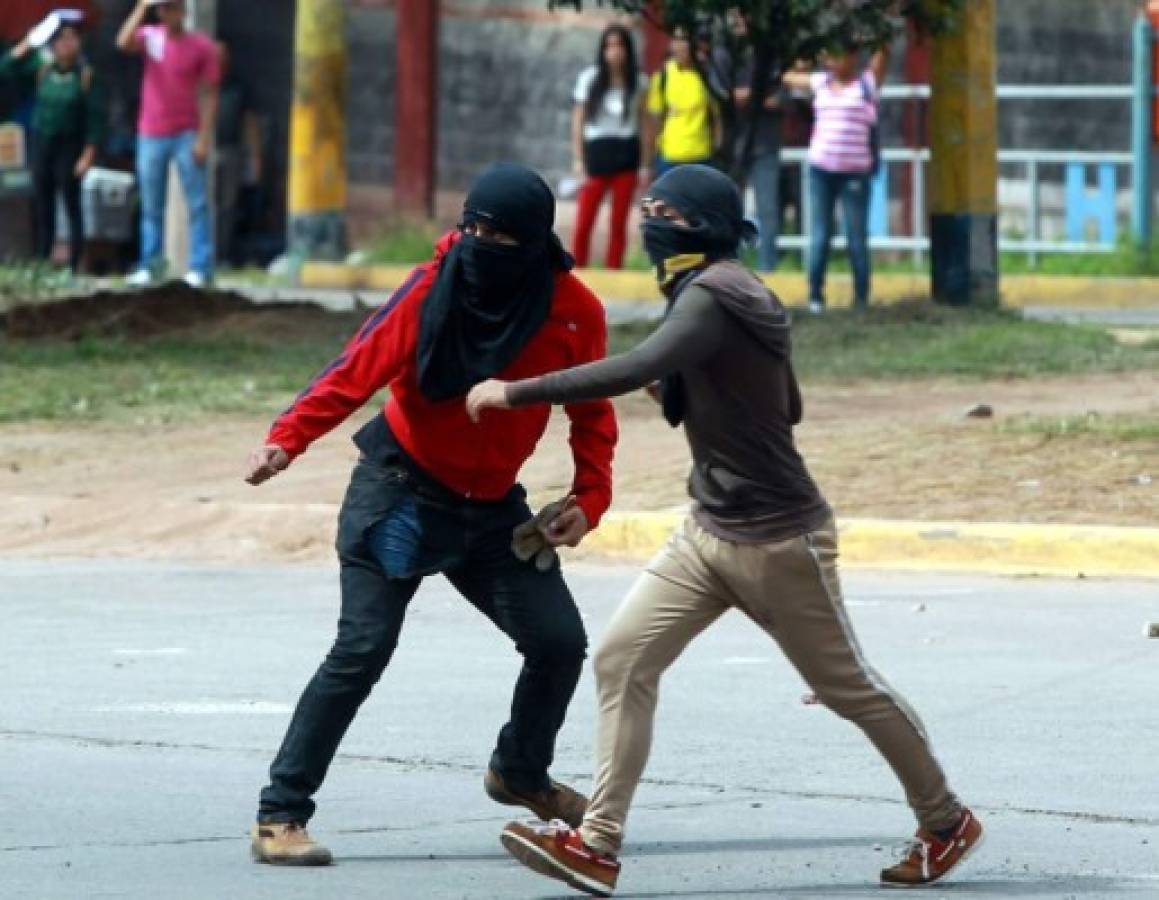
{"points": [[928, 858], [556, 850]]}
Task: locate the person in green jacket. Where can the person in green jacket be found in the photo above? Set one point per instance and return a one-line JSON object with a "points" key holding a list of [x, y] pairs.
{"points": [[67, 125]]}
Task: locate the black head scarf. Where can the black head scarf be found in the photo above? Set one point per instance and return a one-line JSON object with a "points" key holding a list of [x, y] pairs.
{"points": [[490, 299], [711, 204]]}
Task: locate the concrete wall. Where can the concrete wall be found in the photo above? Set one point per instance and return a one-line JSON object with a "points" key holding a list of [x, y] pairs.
{"points": [[505, 83], [507, 74]]}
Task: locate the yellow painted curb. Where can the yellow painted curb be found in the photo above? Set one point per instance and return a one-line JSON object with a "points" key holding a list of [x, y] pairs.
{"points": [[339, 276], [1004, 549], [1018, 291]]}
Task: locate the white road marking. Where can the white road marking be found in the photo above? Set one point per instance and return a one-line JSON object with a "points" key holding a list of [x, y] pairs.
{"points": [[202, 708], [153, 651]]}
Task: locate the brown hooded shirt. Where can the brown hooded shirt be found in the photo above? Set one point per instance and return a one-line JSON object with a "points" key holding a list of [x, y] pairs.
{"points": [[729, 338]]}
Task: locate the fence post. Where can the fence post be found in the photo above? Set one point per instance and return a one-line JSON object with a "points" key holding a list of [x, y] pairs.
{"points": [[1141, 127]]}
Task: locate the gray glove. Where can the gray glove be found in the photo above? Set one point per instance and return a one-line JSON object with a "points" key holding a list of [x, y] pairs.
{"points": [[529, 541]]}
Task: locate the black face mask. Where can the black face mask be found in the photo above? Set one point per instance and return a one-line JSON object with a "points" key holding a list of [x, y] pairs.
{"points": [[493, 273], [672, 248], [490, 299], [712, 206]]}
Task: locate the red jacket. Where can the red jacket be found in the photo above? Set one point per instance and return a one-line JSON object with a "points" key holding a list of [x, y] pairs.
{"points": [[478, 461]]}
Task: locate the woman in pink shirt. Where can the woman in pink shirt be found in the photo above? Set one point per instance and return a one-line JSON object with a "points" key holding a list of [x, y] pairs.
{"points": [[843, 157], [179, 99]]}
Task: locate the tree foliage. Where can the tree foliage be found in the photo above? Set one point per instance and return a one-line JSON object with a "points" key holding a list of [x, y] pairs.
{"points": [[781, 32], [793, 29]]}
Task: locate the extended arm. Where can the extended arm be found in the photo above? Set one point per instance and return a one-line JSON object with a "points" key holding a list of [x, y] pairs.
{"points": [[370, 361], [692, 332], [798, 79]]}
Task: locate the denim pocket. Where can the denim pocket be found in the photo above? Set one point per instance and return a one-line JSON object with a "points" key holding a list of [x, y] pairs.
{"points": [[415, 538], [373, 491], [386, 518]]}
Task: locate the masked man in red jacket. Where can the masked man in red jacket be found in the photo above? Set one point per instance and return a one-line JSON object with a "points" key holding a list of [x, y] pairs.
{"points": [[435, 493]]}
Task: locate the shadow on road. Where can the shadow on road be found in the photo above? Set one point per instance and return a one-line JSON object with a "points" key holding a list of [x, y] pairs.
{"points": [[993, 887]]}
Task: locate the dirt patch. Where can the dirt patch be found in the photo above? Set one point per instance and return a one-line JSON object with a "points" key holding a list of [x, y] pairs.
{"points": [[166, 310], [881, 448], [900, 450]]}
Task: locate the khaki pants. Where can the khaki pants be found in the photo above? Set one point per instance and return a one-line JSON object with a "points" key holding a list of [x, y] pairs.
{"points": [[791, 590]]}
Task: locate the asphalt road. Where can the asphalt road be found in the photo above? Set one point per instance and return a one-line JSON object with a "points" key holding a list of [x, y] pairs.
{"points": [[140, 705]]}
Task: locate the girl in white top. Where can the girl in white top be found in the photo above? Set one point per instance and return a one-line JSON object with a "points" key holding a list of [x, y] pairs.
{"points": [[606, 132], [843, 157]]}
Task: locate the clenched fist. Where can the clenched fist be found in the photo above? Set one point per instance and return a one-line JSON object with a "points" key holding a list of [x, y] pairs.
{"points": [[265, 463]]}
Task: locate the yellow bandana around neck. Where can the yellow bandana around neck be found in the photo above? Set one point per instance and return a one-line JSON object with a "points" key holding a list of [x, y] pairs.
{"points": [[674, 265]]}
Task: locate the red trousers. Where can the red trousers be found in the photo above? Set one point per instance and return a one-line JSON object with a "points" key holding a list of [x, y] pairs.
{"points": [[591, 195]]}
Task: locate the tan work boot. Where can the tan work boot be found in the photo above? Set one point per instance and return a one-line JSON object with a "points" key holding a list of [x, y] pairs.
{"points": [[286, 844], [558, 802]]}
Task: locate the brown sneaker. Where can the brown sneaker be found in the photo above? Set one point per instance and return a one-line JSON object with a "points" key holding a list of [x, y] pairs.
{"points": [[557, 851], [286, 844], [928, 858], [558, 802]]}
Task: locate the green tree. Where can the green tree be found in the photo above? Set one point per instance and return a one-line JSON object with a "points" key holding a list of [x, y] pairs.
{"points": [[781, 32]]}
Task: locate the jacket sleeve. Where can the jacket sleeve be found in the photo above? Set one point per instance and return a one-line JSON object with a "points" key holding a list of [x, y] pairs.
{"points": [[24, 71], [372, 359], [95, 111], [593, 431]]}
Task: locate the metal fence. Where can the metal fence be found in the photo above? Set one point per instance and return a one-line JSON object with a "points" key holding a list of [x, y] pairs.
{"points": [[1082, 207]]}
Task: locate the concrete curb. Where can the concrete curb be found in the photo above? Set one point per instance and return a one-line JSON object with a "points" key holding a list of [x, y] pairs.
{"points": [[1000, 549], [1018, 291]]}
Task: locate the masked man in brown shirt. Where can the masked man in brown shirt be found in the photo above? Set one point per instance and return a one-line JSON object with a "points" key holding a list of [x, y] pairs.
{"points": [[760, 538]]}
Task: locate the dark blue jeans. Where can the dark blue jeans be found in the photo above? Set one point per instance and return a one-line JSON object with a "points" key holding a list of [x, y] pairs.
{"points": [[765, 178], [825, 189], [394, 528], [154, 156]]}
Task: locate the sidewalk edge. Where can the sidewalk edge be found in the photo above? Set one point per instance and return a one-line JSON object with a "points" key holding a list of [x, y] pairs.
{"points": [[988, 548]]}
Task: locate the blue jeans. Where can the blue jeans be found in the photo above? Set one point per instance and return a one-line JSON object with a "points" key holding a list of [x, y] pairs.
{"points": [[825, 188], [153, 158], [765, 177]]}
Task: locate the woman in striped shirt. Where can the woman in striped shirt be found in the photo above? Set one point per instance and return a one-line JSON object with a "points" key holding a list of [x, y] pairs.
{"points": [[843, 157]]}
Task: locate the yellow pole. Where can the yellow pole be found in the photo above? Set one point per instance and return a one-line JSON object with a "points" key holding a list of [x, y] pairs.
{"points": [[964, 166], [317, 176]]}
